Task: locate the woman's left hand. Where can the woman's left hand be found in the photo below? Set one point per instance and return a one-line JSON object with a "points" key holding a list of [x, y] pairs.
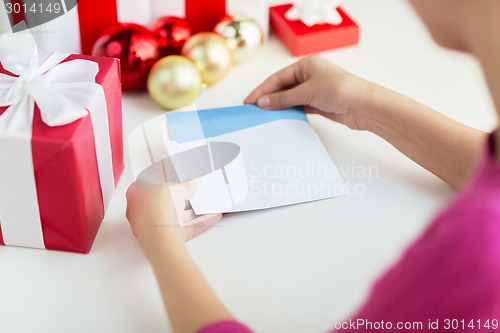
{"points": [[160, 213]]}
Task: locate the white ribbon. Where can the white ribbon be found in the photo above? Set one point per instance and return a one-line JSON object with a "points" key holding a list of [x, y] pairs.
{"points": [[312, 12], [64, 93]]}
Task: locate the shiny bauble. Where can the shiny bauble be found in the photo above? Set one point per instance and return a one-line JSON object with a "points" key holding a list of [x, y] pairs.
{"points": [[174, 82], [172, 33], [135, 46], [210, 54], [244, 36]]}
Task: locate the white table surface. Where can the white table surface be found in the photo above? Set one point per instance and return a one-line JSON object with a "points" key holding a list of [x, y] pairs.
{"points": [[292, 269]]}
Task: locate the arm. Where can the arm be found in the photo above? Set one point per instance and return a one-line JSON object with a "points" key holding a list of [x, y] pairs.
{"points": [[189, 300], [441, 145], [158, 218], [445, 147]]}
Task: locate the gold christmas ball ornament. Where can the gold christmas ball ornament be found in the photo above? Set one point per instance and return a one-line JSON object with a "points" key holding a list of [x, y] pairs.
{"points": [[210, 54], [244, 37], [174, 82]]}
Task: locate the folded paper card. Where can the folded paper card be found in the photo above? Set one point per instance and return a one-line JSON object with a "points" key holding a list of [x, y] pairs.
{"points": [[242, 158]]}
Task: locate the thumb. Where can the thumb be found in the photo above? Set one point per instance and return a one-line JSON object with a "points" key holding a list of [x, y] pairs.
{"points": [[181, 193], [184, 191], [282, 99]]}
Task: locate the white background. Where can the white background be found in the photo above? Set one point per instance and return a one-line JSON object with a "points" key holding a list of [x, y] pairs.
{"points": [[293, 269]]}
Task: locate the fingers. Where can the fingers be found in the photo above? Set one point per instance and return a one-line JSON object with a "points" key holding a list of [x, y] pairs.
{"points": [[192, 219], [131, 190], [183, 191], [143, 188], [130, 195], [187, 217], [203, 224], [180, 194], [280, 80], [283, 99]]}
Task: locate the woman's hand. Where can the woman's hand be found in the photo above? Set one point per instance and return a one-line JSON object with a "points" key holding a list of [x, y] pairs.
{"points": [[441, 145], [321, 87], [161, 219], [161, 213]]}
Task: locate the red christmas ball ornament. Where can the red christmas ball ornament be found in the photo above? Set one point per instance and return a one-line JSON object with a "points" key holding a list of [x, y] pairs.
{"points": [[172, 32], [224, 19], [135, 46]]}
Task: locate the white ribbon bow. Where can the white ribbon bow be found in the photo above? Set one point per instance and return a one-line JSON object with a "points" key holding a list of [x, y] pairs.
{"points": [[312, 12], [61, 96], [64, 93]]}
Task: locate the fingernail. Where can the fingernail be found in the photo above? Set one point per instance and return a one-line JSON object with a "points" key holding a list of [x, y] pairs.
{"points": [[264, 102]]}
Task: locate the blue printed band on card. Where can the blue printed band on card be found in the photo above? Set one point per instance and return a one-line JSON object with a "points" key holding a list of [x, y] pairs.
{"points": [[198, 125]]}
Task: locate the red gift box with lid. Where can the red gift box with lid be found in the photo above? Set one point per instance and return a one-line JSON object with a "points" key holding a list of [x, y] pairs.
{"points": [[301, 39], [77, 30], [65, 162]]}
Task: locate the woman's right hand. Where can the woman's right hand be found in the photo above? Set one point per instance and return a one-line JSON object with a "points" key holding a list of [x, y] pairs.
{"points": [[443, 146], [321, 87]]}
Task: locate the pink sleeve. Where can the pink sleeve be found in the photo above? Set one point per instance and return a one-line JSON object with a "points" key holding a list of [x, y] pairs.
{"points": [[227, 326], [448, 280], [450, 273]]}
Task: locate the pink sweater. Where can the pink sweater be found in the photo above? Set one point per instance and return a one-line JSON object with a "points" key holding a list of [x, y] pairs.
{"points": [[448, 280]]}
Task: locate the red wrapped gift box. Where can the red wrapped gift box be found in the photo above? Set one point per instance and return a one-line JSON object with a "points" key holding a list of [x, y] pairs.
{"points": [[77, 30], [301, 39], [67, 179], [92, 17]]}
